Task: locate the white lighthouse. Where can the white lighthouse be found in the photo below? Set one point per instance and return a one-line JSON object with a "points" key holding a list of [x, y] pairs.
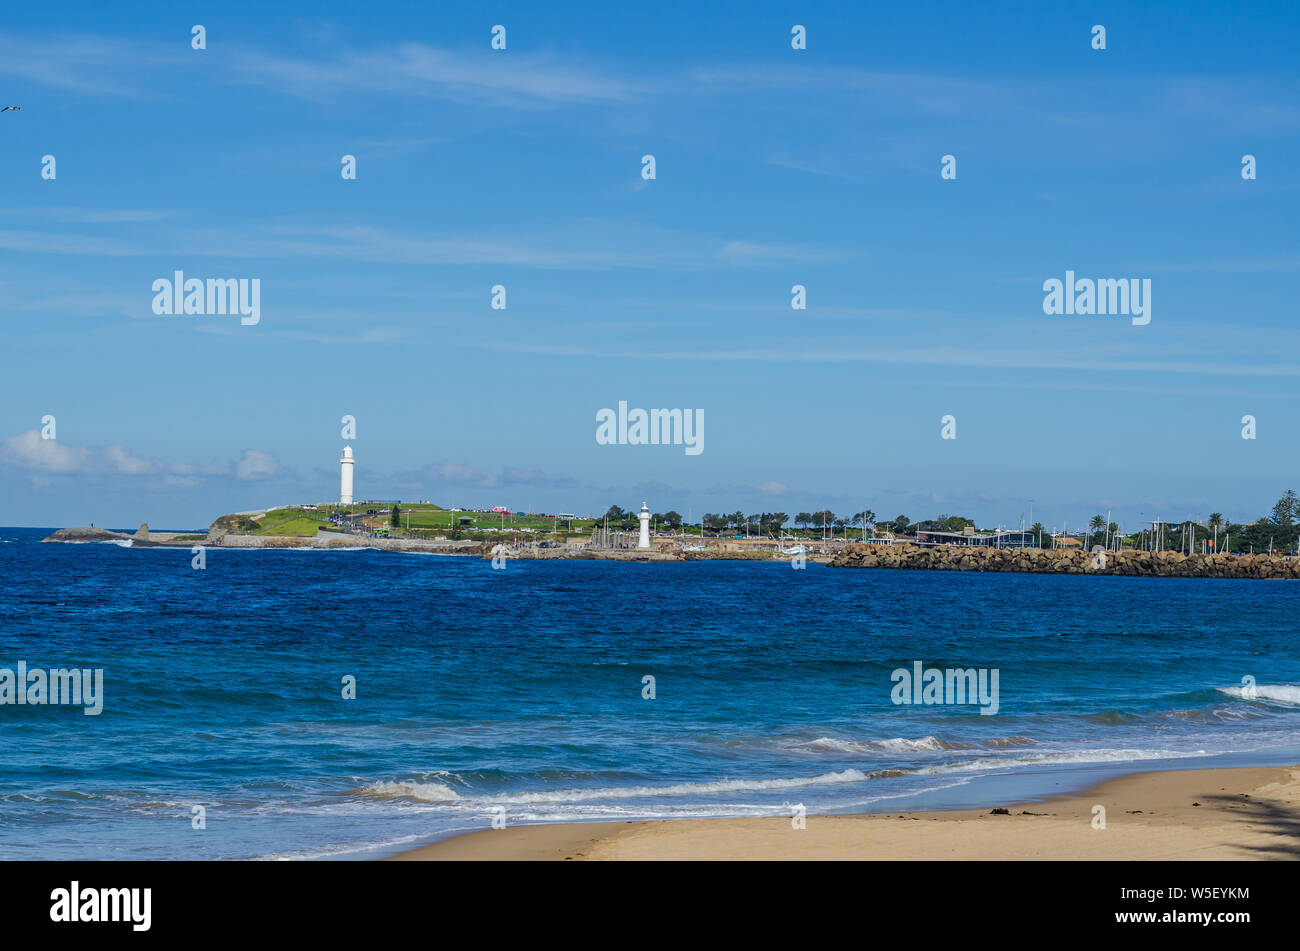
{"points": [[345, 476], [644, 540]]}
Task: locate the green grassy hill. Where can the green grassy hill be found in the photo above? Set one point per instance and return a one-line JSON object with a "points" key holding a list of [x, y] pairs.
{"points": [[419, 517], [291, 522]]}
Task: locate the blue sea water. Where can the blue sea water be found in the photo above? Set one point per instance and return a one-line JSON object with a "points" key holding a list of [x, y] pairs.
{"points": [[519, 692]]}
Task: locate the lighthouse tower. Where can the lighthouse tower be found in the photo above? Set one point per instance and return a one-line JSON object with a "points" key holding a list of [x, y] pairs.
{"points": [[345, 476], [644, 540]]}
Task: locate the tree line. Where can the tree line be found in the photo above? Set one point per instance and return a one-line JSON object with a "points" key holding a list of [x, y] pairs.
{"points": [[1279, 530]]}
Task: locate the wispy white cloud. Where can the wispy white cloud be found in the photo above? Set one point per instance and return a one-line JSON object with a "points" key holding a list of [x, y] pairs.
{"points": [[1047, 359], [105, 65], [422, 71], [44, 242], [96, 65], [588, 245], [29, 452], [89, 215], [255, 465], [459, 474], [749, 253]]}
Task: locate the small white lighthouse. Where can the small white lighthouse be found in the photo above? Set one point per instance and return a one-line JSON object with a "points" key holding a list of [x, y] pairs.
{"points": [[644, 540], [345, 476]]}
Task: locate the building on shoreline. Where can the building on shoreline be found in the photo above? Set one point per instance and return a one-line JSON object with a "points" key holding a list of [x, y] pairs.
{"points": [[969, 538]]}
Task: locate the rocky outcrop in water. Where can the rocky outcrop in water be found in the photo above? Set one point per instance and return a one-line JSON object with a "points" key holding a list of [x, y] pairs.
{"points": [[85, 535], [1143, 564]]}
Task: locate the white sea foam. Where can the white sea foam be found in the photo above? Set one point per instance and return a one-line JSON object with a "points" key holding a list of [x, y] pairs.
{"points": [[437, 792], [898, 744], [1063, 758], [685, 789], [1283, 693], [440, 793], [926, 744], [333, 851], [424, 792]]}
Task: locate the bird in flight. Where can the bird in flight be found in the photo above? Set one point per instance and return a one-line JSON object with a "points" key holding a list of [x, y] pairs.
{"points": [[12, 109]]}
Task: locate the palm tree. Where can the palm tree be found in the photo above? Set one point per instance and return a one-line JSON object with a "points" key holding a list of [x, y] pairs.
{"points": [[1037, 530], [1215, 523], [1096, 523]]}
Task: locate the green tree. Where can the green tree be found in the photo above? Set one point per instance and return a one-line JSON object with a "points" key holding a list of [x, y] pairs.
{"points": [[772, 522], [395, 519], [1286, 509], [901, 524], [802, 519]]}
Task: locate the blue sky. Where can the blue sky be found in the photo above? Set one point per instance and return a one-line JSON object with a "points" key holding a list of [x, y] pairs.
{"points": [[775, 167]]}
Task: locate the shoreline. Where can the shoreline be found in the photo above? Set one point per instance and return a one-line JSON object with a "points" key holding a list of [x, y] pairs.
{"points": [[903, 557], [477, 548], [1227, 813]]}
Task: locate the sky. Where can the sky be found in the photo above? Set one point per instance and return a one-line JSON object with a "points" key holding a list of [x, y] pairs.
{"points": [[774, 167]]}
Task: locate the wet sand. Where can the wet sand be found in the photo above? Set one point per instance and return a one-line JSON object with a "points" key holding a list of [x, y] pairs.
{"points": [[1219, 814]]}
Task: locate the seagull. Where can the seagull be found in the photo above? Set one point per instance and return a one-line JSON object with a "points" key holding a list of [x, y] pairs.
{"points": [[12, 109]]}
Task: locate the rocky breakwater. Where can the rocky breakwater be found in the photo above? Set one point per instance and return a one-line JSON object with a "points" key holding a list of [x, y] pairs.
{"points": [[1142, 564]]}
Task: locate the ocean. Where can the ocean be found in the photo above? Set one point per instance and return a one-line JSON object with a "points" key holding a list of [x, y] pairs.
{"points": [[520, 694]]}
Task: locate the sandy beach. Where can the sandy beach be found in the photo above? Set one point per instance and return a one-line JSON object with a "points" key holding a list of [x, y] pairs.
{"points": [[1219, 814]]}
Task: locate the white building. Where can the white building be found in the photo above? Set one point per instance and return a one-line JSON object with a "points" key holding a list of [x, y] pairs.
{"points": [[345, 476], [644, 540]]}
